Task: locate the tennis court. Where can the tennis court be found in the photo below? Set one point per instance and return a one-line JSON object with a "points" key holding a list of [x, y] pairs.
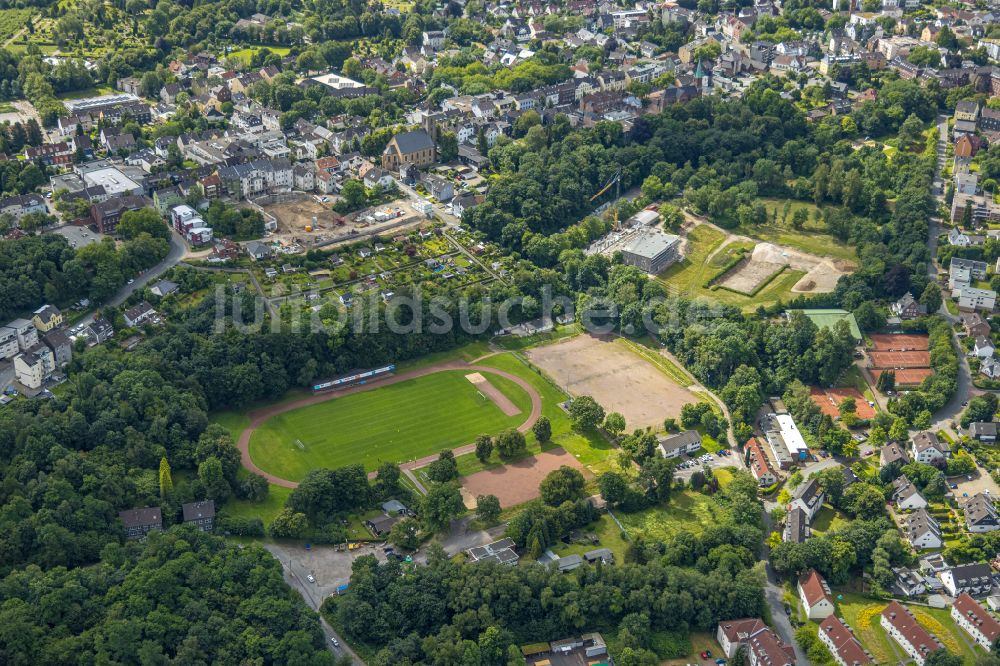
{"points": [[901, 342], [900, 359], [829, 401], [907, 376]]}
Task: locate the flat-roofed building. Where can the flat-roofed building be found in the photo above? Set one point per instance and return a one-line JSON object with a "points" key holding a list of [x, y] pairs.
{"points": [[652, 251]]}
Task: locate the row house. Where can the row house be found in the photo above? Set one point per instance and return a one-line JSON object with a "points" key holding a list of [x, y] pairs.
{"points": [[50, 154], [976, 621], [902, 626], [763, 646], [108, 213], [842, 644]]}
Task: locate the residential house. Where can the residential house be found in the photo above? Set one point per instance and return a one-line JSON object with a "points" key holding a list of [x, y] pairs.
{"points": [[927, 448], [983, 431], [34, 365], [796, 526], [46, 318], [257, 177], [809, 497], [107, 214], [892, 453], [976, 621], [140, 522], [440, 188], [257, 251], [22, 204], [906, 496], [963, 272], [815, 596], [842, 644], [902, 626], [763, 646], [990, 367], [981, 514], [922, 530], [99, 331], [908, 307], [164, 288], [759, 464], [200, 514], [380, 525], [974, 324], [983, 347], [139, 314], [673, 446], [25, 332], [8, 343], [61, 346], [975, 579], [416, 147]]}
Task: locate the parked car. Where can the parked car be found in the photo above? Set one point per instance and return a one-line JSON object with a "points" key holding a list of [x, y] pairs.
{"points": [[311, 578]]}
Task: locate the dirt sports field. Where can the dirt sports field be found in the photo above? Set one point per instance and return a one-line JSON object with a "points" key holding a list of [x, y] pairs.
{"points": [[483, 385], [900, 359], [616, 378], [901, 342], [829, 399], [517, 482]]}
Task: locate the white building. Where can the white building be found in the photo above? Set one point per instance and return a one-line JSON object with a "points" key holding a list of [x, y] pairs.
{"points": [[840, 640], [971, 298], [815, 596], [976, 621], [33, 366], [903, 627]]}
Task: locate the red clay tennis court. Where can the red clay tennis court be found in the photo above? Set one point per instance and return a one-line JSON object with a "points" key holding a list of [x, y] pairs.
{"points": [[888, 342], [908, 376], [829, 399], [899, 359]]}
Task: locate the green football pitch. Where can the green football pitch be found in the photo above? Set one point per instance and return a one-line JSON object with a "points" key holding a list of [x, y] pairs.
{"points": [[393, 423]]}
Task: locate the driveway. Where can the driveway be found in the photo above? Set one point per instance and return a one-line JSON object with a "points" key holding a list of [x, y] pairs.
{"points": [[981, 481]]}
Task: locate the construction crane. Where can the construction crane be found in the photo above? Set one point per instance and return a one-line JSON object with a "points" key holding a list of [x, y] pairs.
{"points": [[616, 180]]}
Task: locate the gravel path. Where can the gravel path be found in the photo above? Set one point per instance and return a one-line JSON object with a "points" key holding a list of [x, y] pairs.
{"points": [[257, 417]]}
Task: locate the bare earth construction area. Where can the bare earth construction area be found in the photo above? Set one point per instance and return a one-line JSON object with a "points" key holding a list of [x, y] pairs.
{"points": [[617, 379], [821, 273]]}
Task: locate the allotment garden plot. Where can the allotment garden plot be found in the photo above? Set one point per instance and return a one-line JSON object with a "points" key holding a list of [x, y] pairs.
{"points": [[388, 422], [618, 379]]}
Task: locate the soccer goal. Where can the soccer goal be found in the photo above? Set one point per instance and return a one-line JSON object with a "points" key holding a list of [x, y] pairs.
{"points": [[298, 443]]}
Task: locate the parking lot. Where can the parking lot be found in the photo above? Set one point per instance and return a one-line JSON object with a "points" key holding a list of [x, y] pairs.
{"points": [[980, 482], [78, 236], [687, 465], [329, 567]]}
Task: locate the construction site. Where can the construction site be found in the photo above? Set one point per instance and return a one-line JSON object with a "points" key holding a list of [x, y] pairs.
{"points": [[308, 221]]}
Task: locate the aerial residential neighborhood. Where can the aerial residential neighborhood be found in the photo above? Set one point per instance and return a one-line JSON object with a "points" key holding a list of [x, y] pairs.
{"points": [[507, 332]]}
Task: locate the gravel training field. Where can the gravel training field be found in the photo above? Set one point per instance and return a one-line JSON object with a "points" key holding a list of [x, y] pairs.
{"points": [[617, 379]]}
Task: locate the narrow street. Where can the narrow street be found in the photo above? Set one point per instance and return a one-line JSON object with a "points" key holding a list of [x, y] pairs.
{"points": [[174, 256]]}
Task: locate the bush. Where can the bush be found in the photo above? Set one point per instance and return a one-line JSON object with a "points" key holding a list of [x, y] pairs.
{"points": [[247, 527]]}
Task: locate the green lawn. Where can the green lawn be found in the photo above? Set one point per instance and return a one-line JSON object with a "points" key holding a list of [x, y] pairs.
{"points": [[689, 511], [265, 510], [828, 519], [687, 275], [395, 423]]}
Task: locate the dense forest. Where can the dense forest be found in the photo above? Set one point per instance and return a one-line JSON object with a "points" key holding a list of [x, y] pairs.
{"points": [[182, 597], [45, 269]]}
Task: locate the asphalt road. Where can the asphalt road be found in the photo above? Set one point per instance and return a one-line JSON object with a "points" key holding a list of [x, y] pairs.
{"points": [[174, 256], [774, 596], [296, 579], [951, 411]]}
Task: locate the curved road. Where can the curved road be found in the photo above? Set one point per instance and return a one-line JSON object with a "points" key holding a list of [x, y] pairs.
{"points": [[174, 256], [258, 417]]}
